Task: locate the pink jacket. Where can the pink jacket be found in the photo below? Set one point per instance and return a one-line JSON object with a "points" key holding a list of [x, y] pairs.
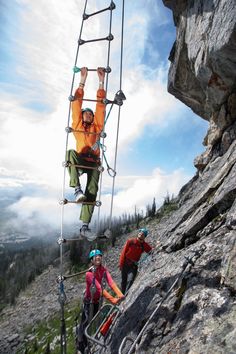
{"points": [[96, 279]]}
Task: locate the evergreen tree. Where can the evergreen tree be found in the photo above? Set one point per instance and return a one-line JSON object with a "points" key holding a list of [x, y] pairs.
{"points": [[48, 350], [153, 210]]}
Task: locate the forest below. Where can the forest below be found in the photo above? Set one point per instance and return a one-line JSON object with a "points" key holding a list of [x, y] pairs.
{"points": [[22, 262]]}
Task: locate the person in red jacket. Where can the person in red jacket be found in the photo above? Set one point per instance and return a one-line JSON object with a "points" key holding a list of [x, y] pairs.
{"points": [[96, 279], [87, 127], [129, 258]]}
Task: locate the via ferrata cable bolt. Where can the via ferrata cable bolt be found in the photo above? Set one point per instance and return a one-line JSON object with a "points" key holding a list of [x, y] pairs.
{"points": [[100, 168], [66, 164], [68, 129], [103, 135], [60, 278], [63, 201], [76, 69], [71, 98], [61, 240]]}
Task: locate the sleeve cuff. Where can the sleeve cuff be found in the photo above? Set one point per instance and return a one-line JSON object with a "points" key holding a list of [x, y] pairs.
{"points": [[101, 93]]}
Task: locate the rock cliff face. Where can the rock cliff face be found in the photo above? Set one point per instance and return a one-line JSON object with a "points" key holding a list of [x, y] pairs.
{"points": [[202, 74], [198, 315]]}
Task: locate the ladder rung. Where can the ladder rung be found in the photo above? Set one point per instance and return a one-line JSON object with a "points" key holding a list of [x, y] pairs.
{"points": [[82, 131], [107, 69], [84, 202], [100, 168], [111, 7], [108, 38], [71, 240], [97, 203], [85, 99], [89, 167]]}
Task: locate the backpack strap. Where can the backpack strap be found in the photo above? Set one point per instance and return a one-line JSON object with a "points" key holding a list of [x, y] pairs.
{"points": [[103, 286], [93, 290]]}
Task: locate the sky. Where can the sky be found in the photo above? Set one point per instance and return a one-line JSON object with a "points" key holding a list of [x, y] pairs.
{"points": [[158, 136]]}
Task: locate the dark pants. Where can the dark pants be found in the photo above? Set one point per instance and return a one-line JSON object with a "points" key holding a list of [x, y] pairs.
{"points": [[92, 181], [128, 274], [81, 340]]}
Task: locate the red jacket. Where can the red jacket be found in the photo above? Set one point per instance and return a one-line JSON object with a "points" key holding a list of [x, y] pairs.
{"points": [[132, 251]]}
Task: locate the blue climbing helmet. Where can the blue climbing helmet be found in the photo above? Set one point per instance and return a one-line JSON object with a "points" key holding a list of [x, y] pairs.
{"points": [[87, 110], [94, 253], [144, 231]]}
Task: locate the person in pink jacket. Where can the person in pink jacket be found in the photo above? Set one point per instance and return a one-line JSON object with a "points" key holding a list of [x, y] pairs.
{"points": [[97, 278]]}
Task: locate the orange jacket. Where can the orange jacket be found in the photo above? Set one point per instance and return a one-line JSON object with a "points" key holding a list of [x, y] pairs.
{"points": [[84, 141], [132, 251]]}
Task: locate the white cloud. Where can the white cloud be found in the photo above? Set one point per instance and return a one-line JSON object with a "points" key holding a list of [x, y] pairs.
{"points": [[133, 191], [36, 208], [33, 142], [47, 44], [139, 191]]}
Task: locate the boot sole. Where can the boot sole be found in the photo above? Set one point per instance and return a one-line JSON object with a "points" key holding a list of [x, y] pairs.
{"points": [[81, 199]]}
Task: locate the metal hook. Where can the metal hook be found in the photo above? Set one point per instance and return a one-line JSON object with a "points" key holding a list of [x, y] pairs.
{"points": [[109, 170]]}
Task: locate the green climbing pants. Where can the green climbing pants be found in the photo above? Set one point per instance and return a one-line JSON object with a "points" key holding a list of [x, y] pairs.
{"points": [[92, 181]]}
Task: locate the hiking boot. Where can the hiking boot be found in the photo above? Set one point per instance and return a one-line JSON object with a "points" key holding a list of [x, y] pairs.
{"points": [[87, 233], [79, 195], [84, 229]]}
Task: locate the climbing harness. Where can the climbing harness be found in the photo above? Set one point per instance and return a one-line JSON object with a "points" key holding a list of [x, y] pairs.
{"points": [[118, 100], [92, 290], [188, 263]]}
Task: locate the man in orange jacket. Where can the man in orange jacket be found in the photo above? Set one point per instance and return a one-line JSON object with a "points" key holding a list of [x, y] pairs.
{"points": [[87, 127], [130, 256]]}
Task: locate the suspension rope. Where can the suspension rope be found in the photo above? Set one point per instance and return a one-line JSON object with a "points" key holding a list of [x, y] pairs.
{"points": [[62, 296], [106, 88], [119, 112], [68, 129], [66, 144]]}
